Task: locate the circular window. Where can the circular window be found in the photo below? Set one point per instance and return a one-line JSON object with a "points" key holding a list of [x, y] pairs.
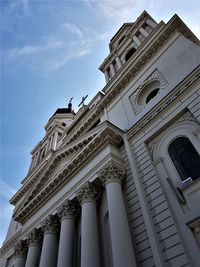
{"points": [[148, 92], [152, 95]]}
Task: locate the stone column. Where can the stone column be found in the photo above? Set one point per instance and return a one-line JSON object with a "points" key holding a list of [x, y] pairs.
{"points": [[119, 63], [55, 138], [112, 69], [106, 76], [20, 253], [151, 23], [66, 214], [89, 230], [34, 248], [122, 248], [144, 32], [50, 242], [136, 40]]}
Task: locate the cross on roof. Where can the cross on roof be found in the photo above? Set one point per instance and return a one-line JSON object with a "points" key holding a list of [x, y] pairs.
{"points": [[83, 100]]}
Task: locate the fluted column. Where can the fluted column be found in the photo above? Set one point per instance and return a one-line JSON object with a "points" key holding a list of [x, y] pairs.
{"points": [[66, 214], [20, 253], [121, 243], [89, 230], [34, 248], [50, 242]]}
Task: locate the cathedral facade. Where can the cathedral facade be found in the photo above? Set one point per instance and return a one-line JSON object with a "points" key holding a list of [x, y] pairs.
{"points": [[118, 183]]}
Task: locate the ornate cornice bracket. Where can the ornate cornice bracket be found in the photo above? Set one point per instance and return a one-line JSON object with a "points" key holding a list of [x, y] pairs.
{"points": [[111, 173]]}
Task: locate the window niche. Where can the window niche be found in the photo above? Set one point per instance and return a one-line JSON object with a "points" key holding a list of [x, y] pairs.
{"points": [[185, 158], [147, 91]]}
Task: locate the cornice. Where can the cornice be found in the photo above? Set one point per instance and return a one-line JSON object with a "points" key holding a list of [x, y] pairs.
{"points": [[117, 84], [164, 104], [109, 135], [10, 243], [52, 164]]}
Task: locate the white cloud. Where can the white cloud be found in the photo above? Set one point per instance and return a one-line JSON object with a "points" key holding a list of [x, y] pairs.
{"points": [[116, 9], [72, 28], [33, 49], [6, 190]]}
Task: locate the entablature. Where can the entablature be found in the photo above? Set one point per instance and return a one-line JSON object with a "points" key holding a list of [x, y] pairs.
{"points": [[108, 134]]}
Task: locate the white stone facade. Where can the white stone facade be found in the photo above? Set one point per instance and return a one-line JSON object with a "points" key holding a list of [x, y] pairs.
{"points": [[103, 189]]}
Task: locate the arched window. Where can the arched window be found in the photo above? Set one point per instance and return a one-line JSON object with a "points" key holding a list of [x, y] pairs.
{"points": [[129, 54], [185, 158]]}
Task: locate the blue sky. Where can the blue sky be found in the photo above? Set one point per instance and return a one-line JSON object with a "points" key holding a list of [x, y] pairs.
{"points": [[50, 52]]}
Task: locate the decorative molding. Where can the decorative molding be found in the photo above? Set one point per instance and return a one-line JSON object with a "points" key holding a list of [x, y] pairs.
{"points": [[195, 225], [21, 248], [88, 193], [68, 210], [34, 238], [111, 173], [109, 134], [50, 225], [10, 243], [156, 75], [165, 103]]}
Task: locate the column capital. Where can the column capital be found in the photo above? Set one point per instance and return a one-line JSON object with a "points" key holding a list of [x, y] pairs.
{"points": [[88, 193], [111, 173], [67, 210], [21, 248], [50, 225], [34, 237]]}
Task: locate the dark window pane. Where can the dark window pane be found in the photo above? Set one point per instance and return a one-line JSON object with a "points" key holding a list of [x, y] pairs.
{"points": [[185, 158]]}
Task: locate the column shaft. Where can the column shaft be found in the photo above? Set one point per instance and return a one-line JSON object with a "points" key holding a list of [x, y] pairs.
{"points": [[144, 32], [66, 244], [20, 261], [89, 231], [33, 256], [49, 250], [89, 236], [122, 248], [118, 62], [112, 69], [106, 76], [136, 40]]}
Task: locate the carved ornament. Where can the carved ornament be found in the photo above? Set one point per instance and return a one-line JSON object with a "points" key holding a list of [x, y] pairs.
{"points": [[111, 173], [67, 210], [88, 193]]}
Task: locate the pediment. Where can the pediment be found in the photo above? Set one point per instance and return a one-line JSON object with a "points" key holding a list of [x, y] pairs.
{"points": [[57, 164], [106, 134]]}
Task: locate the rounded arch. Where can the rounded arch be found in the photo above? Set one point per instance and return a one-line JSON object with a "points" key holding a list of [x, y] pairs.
{"points": [[129, 53], [182, 129], [185, 158], [148, 91]]}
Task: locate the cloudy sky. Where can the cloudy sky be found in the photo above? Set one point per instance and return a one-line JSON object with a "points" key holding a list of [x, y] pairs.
{"points": [[50, 52]]}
